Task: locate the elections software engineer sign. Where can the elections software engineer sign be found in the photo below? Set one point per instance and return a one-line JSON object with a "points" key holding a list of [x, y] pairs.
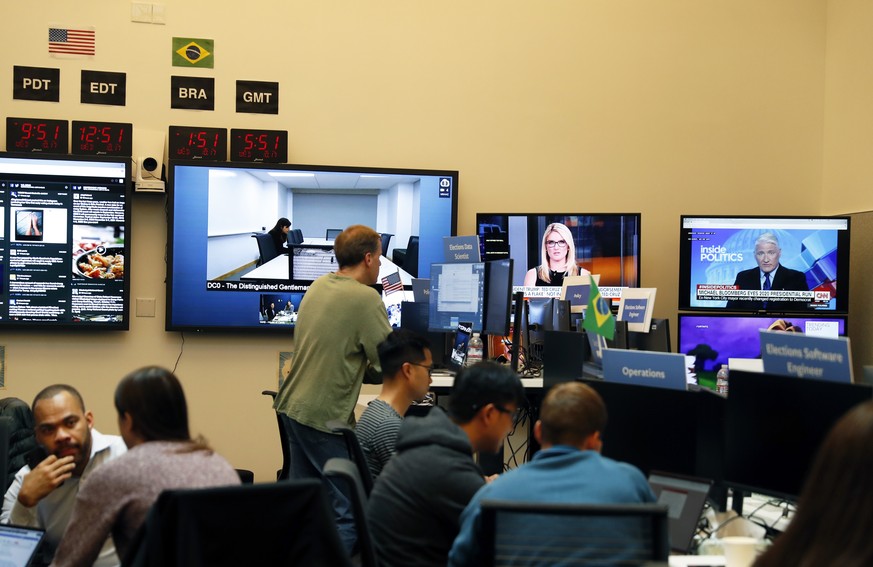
{"points": [[805, 356]]}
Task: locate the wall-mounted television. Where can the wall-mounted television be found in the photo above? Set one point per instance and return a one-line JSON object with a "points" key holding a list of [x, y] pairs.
{"points": [[713, 338], [764, 264], [217, 279], [64, 242], [603, 243]]}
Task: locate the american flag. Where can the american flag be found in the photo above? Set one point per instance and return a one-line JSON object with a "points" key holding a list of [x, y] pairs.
{"points": [[72, 42], [392, 283]]}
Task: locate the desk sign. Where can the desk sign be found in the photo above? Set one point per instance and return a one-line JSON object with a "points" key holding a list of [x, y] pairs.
{"points": [[37, 135], [643, 368], [805, 356], [461, 249], [636, 308]]}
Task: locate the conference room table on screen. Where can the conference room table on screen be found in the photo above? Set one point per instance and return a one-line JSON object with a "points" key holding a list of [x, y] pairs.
{"points": [[277, 268]]}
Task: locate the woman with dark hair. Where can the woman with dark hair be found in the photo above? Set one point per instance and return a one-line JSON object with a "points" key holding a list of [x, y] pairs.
{"points": [[833, 522], [279, 233], [153, 420]]}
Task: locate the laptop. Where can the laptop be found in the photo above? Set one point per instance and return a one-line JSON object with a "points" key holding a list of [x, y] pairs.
{"points": [[685, 497], [18, 545]]}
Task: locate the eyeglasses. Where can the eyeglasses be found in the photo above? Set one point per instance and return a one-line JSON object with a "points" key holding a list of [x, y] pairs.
{"points": [[556, 244], [512, 414], [429, 368]]}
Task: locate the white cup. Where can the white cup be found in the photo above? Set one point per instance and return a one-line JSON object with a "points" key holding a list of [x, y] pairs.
{"points": [[739, 551]]}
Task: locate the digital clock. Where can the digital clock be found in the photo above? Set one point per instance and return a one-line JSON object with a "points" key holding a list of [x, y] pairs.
{"points": [[267, 146], [102, 138], [188, 142], [37, 135]]}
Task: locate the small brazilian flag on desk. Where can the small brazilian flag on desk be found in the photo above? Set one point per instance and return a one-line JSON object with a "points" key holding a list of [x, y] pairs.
{"points": [[598, 316], [193, 52]]}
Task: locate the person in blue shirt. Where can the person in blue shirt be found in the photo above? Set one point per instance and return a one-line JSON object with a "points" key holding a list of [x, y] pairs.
{"points": [[569, 469]]}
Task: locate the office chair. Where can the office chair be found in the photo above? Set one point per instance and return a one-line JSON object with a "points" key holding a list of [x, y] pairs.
{"points": [[407, 258], [16, 438], [347, 470], [356, 453], [285, 472], [295, 236], [386, 239], [332, 233], [538, 533], [266, 247], [279, 523]]}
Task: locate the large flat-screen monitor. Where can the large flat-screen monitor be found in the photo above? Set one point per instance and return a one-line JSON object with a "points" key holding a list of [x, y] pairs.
{"points": [[764, 264], [774, 426], [64, 242], [605, 244], [457, 295], [713, 338], [219, 280], [498, 297]]}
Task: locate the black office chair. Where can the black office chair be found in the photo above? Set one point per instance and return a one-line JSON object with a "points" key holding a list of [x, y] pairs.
{"points": [[332, 233], [386, 239], [285, 472], [407, 258], [266, 247], [276, 524], [356, 453], [348, 472], [535, 533], [295, 236], [16, 438]]}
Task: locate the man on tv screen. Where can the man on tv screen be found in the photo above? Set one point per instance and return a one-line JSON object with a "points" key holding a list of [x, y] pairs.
{"points": [[769, 275]]}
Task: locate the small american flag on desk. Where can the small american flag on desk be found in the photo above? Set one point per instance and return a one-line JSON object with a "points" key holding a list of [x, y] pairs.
{"points": [[392, 283], [68, 41]]}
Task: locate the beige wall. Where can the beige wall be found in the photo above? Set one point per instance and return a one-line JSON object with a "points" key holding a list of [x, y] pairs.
{"points": [[668, 107]]}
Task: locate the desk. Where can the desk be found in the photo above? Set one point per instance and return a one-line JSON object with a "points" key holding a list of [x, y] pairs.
{"points": [[277, 269], [442, 383], [695, 560]]}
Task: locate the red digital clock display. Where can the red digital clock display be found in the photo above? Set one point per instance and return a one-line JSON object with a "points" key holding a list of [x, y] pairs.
{"points": [[187, 142], [102, 138], [267, 146], [37, 135]]}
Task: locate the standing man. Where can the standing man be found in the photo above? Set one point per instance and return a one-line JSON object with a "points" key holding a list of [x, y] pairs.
{"points": [[407, 364], [569, 469], [769, 275], [43, 497], [340, 323]]}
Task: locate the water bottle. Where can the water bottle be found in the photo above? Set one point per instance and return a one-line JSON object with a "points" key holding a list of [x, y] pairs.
{"points": [[474, 350], [721, 380]]}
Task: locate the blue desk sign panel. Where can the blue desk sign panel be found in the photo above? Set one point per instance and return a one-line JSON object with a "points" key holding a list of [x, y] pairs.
{"points": [[805, 356], [643, 368], [461, 249]]}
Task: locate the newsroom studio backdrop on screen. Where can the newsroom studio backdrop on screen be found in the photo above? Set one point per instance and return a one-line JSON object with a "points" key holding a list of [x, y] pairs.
{"points": [[727, 263], [64, 223], [605, 243], [221, 279]]}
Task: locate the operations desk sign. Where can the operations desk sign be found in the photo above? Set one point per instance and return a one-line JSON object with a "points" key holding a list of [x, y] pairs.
{"points": [[643, 368], [37, 135], [198, 143], [805, 356], [102, 138], [264, 146]]}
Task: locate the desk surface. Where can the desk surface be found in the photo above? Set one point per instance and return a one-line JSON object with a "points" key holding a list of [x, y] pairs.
{"points": [[447, 380], [277, 269]]}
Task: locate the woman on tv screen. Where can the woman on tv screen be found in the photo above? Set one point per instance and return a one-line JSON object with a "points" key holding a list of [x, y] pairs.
{"points": [[558, 255], [280, 234]]}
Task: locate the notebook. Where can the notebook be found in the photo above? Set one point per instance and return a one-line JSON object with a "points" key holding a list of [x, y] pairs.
{"points": [[685, 498], [18, 545]]}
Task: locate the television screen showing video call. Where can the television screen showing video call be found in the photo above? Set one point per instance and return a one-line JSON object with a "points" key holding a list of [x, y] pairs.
{"points": [[760, 264], [219, 277], [64, 225]]}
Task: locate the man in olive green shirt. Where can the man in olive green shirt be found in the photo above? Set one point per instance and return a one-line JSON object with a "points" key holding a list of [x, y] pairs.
{"points": [[340, 323]]}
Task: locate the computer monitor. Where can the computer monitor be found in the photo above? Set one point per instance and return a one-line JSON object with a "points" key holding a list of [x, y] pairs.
{"points": [[656, 340], [774, 426], [498, 297], [543, 314], [414, 317], [457, 294]]}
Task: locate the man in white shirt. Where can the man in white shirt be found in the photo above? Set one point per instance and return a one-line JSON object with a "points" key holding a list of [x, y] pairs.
{"points": [[43, 496]]}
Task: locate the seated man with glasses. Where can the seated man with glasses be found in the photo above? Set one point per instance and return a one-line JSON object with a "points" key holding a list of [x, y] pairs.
{"points": [[407, 364], [416, 502]]}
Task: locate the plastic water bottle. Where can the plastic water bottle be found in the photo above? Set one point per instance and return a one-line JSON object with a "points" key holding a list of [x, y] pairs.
{"points": [[721, 380], [474, 350]]}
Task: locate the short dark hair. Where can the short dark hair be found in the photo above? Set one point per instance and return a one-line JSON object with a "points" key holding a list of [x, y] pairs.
{"points": [[401, 346], [54, 390], [154, 398], [355, 242], [570, 413], [481, 384]]}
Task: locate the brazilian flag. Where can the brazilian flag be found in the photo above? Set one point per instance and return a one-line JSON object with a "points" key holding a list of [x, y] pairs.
{"points": [[598, 316], [193, 52]]}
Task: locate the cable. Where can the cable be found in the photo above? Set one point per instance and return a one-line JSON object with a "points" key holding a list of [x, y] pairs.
{"points": [[181, 350]]}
